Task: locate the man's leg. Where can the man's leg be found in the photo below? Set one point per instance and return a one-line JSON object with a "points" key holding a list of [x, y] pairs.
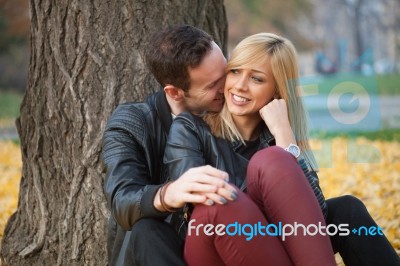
{"points": [[154, 242], [358, 249]]}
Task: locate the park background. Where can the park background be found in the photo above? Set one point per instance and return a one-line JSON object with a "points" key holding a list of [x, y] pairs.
{"points": [[355, 41]]}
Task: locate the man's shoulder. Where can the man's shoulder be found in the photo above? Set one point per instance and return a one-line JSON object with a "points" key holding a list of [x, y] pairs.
{"points": [[139, 117], [187, 119], [131, 108], [131, 112]]}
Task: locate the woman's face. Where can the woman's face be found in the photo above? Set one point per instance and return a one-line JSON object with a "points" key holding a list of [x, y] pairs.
{"points": [[248, 89]]}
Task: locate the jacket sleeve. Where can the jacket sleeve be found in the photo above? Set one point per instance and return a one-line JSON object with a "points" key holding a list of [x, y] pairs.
{"points": [[312, 178], [127, 185], [184, 147]]}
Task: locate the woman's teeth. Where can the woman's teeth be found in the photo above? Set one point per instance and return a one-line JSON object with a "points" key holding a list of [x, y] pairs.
{"points": [[239, 99]]}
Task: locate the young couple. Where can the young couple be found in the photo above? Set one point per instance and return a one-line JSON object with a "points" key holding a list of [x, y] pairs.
{"points": [[249, 162]]}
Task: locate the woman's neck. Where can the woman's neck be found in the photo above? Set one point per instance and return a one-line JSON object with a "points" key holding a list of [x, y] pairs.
{"points": [[248, 127]]}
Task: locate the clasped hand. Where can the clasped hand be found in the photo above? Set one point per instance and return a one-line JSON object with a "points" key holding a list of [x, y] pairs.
{"points": [[205, 185]]}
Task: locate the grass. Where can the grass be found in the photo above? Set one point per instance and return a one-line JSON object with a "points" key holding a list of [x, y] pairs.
{"points": [[385, 134], [9, 108], [374, 84], [9, 104]]}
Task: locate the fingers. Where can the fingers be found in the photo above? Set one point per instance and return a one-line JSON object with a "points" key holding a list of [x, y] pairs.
{"points": [[210, 171], [204, 184], [223, 196]]}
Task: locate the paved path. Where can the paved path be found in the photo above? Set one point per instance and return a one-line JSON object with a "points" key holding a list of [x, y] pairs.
{"points": [[368, 113]]}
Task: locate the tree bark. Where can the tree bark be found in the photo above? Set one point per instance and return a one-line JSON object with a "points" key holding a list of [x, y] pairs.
{"points": [[86, 58]]}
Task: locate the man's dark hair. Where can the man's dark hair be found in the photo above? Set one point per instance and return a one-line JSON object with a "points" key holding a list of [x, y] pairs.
{"points": [[173, 50]]}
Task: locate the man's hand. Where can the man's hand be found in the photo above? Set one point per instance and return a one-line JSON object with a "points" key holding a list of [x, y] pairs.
{"points": [[204, 184], [275, 116]]}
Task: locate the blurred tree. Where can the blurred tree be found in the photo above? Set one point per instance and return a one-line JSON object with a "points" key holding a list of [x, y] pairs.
{"points": [[86, 57], [14, 32], [14, 23], [252, 16]]}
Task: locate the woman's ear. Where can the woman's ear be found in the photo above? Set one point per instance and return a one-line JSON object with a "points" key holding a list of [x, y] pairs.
{"points": [[173, 92]]}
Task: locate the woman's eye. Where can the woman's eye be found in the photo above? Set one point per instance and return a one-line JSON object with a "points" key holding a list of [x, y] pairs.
{"points": [[257, 79], [234, 71]]}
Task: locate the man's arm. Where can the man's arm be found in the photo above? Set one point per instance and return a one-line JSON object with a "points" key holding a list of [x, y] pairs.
{"points": [[128, 182], [194, 182]]}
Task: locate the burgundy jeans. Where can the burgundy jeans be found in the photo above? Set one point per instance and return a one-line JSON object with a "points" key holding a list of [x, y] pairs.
{"points": [[277, 191]]}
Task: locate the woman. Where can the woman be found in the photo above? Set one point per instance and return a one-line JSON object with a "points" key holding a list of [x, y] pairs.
{"points": [[262, 107]]}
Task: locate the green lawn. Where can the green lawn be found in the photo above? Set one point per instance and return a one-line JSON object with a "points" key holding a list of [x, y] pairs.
{"points": [[374, 84], [9, 104], [384, 134]]}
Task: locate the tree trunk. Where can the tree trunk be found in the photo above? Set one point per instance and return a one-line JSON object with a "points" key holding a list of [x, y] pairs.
{"points": [[86, 58]]}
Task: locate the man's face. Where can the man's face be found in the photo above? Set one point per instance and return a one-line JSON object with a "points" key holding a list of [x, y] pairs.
{"points": [[206, 92]]}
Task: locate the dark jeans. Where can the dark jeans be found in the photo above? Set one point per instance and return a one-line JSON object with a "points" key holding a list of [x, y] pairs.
{"points": [[358, 249], [154, 242]]}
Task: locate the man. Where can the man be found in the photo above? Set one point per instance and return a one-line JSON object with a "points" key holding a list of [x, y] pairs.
{"points": [[190, 67]]}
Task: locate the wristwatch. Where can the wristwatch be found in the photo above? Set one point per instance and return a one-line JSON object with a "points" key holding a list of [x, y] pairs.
{"points": [[293, 149]]}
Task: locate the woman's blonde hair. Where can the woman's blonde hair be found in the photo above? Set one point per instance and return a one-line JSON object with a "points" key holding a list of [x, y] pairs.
{"points": [[283, 58]]}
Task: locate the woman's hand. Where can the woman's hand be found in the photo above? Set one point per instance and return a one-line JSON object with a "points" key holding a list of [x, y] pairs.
{"points": [[275, 116]]}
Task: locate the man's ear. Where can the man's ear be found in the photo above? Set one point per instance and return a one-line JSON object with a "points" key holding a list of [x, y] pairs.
{"points": [[173, 92]]}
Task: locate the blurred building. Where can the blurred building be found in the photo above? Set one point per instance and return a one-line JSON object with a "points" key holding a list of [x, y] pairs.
{"points": [[356, 35]]}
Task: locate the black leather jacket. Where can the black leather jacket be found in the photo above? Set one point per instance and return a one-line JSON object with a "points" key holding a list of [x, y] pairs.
{"points": [[191, 144], [133, 149]]}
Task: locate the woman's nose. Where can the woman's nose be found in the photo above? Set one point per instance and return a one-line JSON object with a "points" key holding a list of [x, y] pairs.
{"points": [[241, 83]]}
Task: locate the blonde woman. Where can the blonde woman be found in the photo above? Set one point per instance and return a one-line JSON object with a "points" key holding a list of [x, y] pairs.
{"points": [[261, 109], [260, 140]]}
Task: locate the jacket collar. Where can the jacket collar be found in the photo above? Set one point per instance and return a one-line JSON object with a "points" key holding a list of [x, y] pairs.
{"points": [[163, 110], [266, 140]]}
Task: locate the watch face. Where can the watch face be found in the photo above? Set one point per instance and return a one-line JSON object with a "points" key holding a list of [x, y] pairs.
{"points": [[294, 149]]}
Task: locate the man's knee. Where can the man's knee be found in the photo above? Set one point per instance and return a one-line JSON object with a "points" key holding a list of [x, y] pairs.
{"points": [[147, 228], [347, 209], [354, 202], [347, 202], [154, 242]]}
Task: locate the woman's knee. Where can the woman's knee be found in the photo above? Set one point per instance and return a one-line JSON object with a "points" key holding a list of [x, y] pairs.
{"points": [[270, 157], [270, 162]]}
